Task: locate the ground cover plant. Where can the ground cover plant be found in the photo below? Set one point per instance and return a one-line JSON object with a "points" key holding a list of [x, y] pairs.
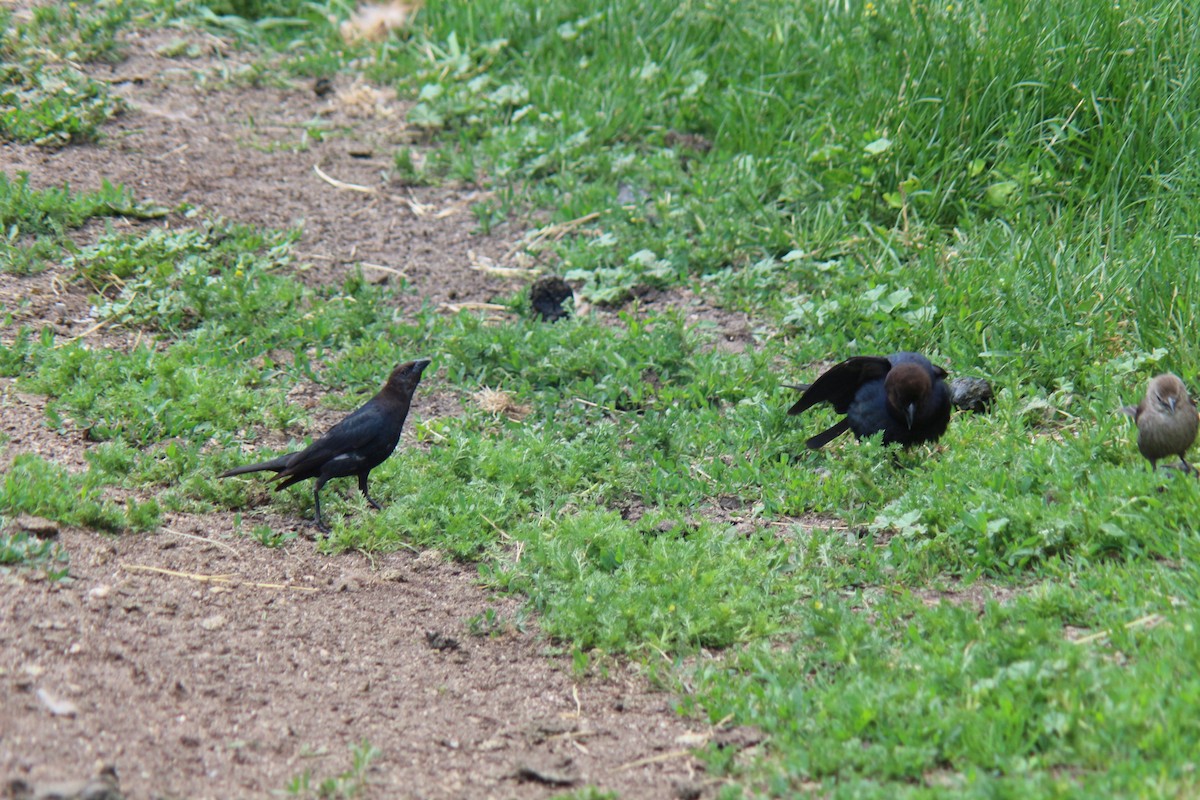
{"points": [[1006, 187]]}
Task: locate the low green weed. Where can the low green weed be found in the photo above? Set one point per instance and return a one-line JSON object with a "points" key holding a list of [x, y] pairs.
{"points": [[349, 784], [35, 486], [18, 548], [52, 105], [35, 222]]}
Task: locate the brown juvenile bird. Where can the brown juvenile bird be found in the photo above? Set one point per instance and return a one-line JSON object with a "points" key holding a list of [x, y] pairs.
{"points": [[354, 446], [902, 395], [1166, 420]]}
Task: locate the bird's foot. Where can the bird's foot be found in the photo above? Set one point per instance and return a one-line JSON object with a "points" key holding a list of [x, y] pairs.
{"points": [[374, 505], [320, 525]]}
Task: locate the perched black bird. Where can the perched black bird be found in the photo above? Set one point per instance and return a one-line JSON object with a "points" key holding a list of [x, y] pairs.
{"points": [[354, 446], [1166, 420], [902, 395]]}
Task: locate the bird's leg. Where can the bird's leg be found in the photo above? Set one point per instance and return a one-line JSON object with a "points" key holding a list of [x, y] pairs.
{"points": [[1188, 469], [321, 526], [362, 487]]}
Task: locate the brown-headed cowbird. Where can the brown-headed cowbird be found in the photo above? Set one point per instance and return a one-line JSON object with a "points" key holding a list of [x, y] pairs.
{"points": [[902, 395], [1166, 420], [354, 446]]}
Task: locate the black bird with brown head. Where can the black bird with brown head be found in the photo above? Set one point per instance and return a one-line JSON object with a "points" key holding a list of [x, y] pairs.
{"points": [[903, 396], [354, 446]]}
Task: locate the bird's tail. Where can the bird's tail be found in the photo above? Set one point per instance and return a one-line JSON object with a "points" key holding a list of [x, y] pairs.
{"points": [[274, 465], [825, 437]]}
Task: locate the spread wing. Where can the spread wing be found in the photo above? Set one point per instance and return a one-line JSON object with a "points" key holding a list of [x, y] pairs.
{"points": [[839, 383]]}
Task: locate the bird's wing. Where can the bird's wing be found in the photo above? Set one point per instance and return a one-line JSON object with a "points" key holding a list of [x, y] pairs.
{"points": [[353, 433], [839, 383]]}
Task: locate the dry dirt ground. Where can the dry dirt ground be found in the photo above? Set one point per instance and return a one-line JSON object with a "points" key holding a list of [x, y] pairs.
{"points": [[201, 688]]}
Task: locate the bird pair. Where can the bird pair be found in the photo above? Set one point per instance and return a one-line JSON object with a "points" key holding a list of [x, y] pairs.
{"points": [[905, 397], [902, 395]]}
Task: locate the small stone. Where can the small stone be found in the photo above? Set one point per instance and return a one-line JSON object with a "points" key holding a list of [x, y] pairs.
{"points": [[551, 773], [103, 787], [58, 706], [215, 622], [971, 394], [347, 583], [440, 641]]}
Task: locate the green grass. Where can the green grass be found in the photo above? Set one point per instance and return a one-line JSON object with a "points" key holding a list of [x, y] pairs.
{"points": [[45, 97], [1009, 188], [35, 223]]}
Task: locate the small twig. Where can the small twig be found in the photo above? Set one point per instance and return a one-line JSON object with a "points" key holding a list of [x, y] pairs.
{"points": [[353, 187], [431, 432], [418, 208], [195, 576], [641, 762], [499, 530], [504, 272], [392, 270], [590, 404], [171, 152], [202, 539], [557, 231], [1150, 620], [78, 336], [456, 307]]}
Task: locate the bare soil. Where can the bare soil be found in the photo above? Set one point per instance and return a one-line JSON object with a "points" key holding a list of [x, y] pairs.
{"points": [[201, 665]]}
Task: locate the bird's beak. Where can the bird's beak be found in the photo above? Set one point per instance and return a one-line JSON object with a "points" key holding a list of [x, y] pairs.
{"points": [[910, 414], [1171, 403], [421, 364]]}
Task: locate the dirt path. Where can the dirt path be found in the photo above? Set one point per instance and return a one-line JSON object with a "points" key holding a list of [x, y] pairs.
{"points": [[199, 689]]}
